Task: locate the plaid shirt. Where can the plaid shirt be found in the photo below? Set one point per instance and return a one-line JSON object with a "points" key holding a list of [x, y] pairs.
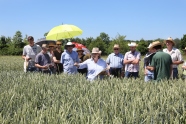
{"points": [[131, 56]]}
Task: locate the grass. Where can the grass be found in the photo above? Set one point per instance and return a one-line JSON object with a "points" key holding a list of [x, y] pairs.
{"points": [[38, 98]]}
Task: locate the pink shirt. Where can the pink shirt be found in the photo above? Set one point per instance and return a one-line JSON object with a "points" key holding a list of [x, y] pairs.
{"points": [[130, 56]]}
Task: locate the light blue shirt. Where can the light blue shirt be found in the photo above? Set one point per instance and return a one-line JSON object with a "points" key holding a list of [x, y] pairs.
{"points": [[68, 59], [93, 68], [115, 60]]}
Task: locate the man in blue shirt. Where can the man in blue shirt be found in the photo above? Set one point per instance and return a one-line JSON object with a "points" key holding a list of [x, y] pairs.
{"points": [[115, 61], [68, 58]]}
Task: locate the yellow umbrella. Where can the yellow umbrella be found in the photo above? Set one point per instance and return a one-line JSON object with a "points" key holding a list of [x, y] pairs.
{"points": [[63, 32]]}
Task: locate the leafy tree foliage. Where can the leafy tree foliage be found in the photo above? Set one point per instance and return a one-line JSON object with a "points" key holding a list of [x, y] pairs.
{"points": [[14, 46], [183, 42]]}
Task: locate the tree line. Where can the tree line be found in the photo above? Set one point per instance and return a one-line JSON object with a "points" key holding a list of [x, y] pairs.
{"points": [[14, 45]]}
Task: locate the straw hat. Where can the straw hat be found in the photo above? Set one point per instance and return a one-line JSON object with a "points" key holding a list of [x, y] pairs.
{"points": [[96, 50], [116, 46], [155, 43], [149, 45], [132, 44], [51, 44], [170, 39], [69, 44], [58, 42]]}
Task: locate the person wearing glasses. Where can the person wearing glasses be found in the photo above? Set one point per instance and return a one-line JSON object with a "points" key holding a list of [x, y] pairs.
{"points": [[29, 53], [115, 61], [57, 57], [131, 61], [68, 58]]}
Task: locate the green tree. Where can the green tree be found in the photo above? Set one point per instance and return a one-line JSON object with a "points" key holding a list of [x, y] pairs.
{"points": [[183, 42], [98, 42], [142, 46], [3, 42], [119, 39], [25, 40], [177, 42], [45, 34], [17, 40], [105, 37]]}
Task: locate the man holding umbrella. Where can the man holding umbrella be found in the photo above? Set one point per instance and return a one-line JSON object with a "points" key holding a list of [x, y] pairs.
{"points": [[68, 58]]}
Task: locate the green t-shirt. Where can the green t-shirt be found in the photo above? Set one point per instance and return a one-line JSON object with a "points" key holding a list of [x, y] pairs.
{"points": [[162, 63]]}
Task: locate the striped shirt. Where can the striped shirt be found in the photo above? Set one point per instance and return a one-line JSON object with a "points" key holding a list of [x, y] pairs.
{"points": [[115, 60]]}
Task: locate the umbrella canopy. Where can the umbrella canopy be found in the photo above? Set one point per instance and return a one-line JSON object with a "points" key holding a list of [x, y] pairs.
{"points": [[78, 45], [63, 32], [44, 41]]}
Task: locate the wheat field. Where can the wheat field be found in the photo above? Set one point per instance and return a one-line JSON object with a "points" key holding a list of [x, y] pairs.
{"points": [[30, 98]]}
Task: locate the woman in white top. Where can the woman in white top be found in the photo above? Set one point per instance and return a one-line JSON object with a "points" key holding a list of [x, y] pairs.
{"points": [[95, 65]]}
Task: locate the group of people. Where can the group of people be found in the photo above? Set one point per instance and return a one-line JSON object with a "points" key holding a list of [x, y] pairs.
{"points": [[158, 64]]}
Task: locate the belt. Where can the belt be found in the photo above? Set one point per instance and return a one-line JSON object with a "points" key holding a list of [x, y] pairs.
{"points": [[114, 68]]}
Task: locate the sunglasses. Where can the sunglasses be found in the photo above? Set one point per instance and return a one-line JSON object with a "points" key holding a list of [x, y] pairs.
{"points": [[116, 49], [58, 44]]}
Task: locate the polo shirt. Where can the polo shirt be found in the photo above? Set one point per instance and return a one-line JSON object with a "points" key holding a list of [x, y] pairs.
{"points": [[162, 63]]}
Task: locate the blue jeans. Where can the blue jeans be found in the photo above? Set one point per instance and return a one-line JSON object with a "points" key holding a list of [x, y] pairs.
{"points": [[132, 74], [175, 73], [149, 77]]}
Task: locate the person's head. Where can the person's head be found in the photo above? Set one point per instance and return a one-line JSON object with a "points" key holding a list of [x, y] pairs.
{"points": [[51, 46], [44, 48], [156, 45], [30, 40], [132, 46], [80, 51], [96, 53], [58, 44], [169, 42], [116, 48], [69, 46], [151, 50]]}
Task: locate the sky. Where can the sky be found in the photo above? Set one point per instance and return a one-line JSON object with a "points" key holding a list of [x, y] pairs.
{"points": [[135, 19]]}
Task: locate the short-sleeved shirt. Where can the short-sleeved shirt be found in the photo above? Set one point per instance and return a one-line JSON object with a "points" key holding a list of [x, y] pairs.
{"points": [[115, 60], [93, 68], [58, 54], [131, 56], [31, 52], [42, 59], [175, 55], [68, 59], [162, 63]]}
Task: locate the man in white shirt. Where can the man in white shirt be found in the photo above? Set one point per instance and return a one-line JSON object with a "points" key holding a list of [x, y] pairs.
{"points": [[175, 55], [29, 53]]}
